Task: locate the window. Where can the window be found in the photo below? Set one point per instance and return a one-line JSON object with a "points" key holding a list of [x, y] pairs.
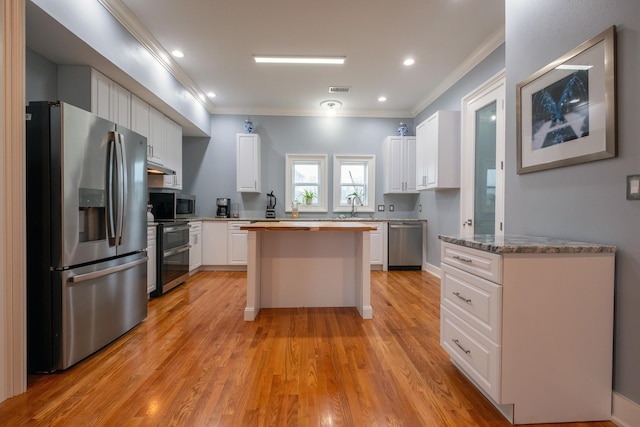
{"points": [[354, 175], [306, 173]]}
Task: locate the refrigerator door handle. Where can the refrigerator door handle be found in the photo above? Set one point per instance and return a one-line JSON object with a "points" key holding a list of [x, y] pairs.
{"points": [[122, 189], [95, 274], [111, 189]]}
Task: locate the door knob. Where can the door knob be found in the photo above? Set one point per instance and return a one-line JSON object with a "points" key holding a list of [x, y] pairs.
{"points": [[467, 222]]}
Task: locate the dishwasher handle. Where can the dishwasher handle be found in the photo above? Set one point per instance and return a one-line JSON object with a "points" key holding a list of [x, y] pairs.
{"points": [[404, 225]]}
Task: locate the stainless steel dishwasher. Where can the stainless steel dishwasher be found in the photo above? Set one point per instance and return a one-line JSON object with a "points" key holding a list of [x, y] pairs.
{"points": [[405, 245]]}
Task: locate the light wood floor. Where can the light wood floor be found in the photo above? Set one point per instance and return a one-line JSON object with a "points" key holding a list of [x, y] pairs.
{"points": [[195, 362]]}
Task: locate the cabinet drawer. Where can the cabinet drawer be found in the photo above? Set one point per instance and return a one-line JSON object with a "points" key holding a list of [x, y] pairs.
{"points": [[195, 226], [484, 264], [474, 353], [475, 300]]}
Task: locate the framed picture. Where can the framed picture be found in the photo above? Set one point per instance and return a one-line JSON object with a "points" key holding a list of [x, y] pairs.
{"points": [[566, 111]]}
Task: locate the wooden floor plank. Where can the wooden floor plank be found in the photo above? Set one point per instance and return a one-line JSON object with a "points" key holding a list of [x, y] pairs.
{"points": [[195, 362]]}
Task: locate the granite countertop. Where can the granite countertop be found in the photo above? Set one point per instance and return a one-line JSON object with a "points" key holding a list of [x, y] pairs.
{"points": [[526, 244]]}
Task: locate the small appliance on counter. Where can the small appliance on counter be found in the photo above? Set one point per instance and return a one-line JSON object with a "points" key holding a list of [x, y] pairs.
{"points": [[271, 205], [171, 206], [224, 208]]}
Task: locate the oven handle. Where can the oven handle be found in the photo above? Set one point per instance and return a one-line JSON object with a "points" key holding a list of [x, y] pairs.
{"points": [[176, 251], [174, 228], [106, 271]]}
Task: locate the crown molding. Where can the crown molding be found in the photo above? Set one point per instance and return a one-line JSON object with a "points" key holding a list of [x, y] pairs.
{"points": [[135, 27], [489, 45]]}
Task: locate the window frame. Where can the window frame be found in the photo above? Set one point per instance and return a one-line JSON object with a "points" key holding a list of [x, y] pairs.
{"points": [[322, 201], [370, 160]]}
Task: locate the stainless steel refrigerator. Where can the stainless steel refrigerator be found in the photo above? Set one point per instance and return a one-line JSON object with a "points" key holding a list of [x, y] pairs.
{"points": [[86, 233]]}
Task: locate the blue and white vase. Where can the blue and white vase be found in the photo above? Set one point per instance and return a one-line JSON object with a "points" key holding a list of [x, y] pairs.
{"points": [[248, 126], [402, 129]]}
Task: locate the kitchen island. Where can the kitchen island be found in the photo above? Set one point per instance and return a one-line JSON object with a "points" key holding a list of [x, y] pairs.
{"points": [[308, 264]]}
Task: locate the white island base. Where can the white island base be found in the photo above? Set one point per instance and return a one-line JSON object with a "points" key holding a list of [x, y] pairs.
{"points": [[308, 264]]}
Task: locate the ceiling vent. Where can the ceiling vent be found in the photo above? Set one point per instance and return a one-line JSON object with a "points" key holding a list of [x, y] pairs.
{"points": [[339, 89]]}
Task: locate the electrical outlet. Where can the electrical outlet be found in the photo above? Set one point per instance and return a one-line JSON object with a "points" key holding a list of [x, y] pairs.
{"points": [[419, 208], [391, 208], [380, 208]]}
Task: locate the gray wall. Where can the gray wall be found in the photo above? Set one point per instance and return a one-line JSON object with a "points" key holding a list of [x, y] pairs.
{"points": [[587, 201], [41, 76], [441, 208], [211, 171]]}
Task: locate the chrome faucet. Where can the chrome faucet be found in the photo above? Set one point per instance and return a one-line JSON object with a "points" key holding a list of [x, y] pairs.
{"points": [[352, 201]]}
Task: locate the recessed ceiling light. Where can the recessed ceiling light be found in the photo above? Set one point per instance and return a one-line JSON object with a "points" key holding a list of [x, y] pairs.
{"points": [[382, 98], [211, 94], [409, 61], [177, 53], [331, 60]]}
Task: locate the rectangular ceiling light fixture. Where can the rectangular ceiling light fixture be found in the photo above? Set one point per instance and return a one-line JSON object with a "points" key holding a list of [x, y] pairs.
{"points": [[274, 59]]}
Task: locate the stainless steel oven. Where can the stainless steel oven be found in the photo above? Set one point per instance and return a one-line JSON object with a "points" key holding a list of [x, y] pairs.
{"points": [[172, 256]]}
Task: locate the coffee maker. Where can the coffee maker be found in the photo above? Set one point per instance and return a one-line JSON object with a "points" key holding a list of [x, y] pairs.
{"points": [[224, 208]]}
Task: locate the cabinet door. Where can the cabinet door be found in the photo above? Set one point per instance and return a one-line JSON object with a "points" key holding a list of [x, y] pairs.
{"points": [[100, 95], [409, 164], [140, 116], [393, 165], [120, 100], [248, 163], [151, 262], [377, 251], [237, 244], [421, 156], [195, 240], [432, 151], [157, 136], [214, 243], [173, 151]]}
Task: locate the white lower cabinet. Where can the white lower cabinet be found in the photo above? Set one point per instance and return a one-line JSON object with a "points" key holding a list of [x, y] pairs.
{"points": [[534, 331], [378, 245], [223, 243], [214, 243], [236, 243], [195, 240], [151, 263]]}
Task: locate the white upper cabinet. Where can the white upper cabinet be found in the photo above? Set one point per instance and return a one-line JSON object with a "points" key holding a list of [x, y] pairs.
{"points": [[140, 120], [173, 150], [90, 90], [399, 164], [248, 162], [157, 139], [438, 151], [164, 142]]}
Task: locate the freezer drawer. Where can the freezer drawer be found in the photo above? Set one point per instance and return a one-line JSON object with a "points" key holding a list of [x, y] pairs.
{"points": [[100, 302], [405, 245]]}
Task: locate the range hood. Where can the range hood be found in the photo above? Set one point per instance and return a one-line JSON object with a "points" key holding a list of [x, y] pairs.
{"points": [[158, 169]]}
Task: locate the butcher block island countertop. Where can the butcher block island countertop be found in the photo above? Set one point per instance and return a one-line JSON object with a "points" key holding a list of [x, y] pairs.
{"points": [[308, 226], [308, 264]]}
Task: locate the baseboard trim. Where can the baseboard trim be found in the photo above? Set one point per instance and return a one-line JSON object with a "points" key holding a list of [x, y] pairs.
{"points": [[625, 412], [430, 268]]}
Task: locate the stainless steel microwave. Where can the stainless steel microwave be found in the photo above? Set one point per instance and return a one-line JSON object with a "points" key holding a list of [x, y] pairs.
{"points": [[168, 206]]}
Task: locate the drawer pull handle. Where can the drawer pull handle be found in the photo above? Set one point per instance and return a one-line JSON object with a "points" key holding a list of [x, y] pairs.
{"points": [[468, 261], [456, 342], [468, 301]]}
